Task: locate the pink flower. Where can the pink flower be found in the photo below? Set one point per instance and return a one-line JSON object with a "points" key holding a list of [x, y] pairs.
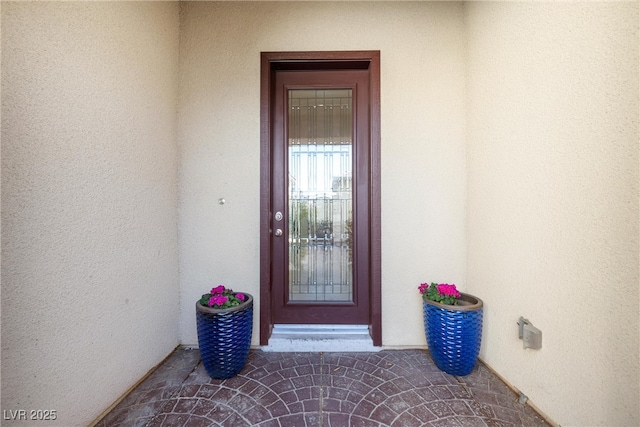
{"points": [[240, 296], [217, 290], [217, 300], [423, 288], [446, 289]]}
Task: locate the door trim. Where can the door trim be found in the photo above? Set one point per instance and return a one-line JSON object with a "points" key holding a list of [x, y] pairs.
{"points": [[270, 62]]}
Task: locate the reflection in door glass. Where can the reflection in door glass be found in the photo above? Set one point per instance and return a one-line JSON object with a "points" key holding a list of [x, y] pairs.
{"points": [[320, 195]]}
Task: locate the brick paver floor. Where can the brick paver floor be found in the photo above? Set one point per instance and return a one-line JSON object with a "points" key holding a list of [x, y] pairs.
{"points": [[387, 388]]}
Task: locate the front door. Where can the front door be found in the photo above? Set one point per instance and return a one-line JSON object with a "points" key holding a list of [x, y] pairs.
{"points": [[320, 195]]}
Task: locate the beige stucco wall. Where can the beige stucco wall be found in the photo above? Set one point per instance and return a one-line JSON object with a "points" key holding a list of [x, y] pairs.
{"points": [[423, 161], [553, 201], [89, 196]]}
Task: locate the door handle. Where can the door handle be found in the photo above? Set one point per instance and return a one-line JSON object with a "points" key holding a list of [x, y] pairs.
{"points": [[278, 232]]}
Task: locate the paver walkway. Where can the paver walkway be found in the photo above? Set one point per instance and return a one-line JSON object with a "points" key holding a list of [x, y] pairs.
{"points": [[387, 388]]}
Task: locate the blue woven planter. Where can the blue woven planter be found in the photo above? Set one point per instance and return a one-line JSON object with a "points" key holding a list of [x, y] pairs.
{"points": [[454, 333], [224, 337]]}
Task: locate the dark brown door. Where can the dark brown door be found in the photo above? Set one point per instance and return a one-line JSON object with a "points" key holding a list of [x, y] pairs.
{"points": [[320, 238], [320, 190]]}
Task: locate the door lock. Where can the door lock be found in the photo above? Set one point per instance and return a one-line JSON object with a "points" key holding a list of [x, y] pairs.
{"points": [[278, 216], [278, 232]]}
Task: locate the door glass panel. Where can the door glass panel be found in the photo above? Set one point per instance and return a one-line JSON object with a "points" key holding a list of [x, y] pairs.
{"points": [[320, 157]]}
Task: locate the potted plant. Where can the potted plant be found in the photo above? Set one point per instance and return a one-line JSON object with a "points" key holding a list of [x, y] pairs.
{"points": [[224, 320], [453, 327]]}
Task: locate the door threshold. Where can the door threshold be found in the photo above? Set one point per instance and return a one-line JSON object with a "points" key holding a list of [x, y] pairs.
{"points": [[320, 338]]}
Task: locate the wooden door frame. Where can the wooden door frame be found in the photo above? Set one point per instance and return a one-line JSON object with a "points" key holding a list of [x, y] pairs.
{"points": [[270, 62]]}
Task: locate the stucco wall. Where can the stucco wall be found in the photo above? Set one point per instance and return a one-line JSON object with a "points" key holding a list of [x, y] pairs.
{"points": [[423, 162], [89, 196], [553, 201]]}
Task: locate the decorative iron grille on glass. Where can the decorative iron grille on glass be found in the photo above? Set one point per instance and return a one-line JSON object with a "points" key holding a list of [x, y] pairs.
{"points": [[320, 195]]}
